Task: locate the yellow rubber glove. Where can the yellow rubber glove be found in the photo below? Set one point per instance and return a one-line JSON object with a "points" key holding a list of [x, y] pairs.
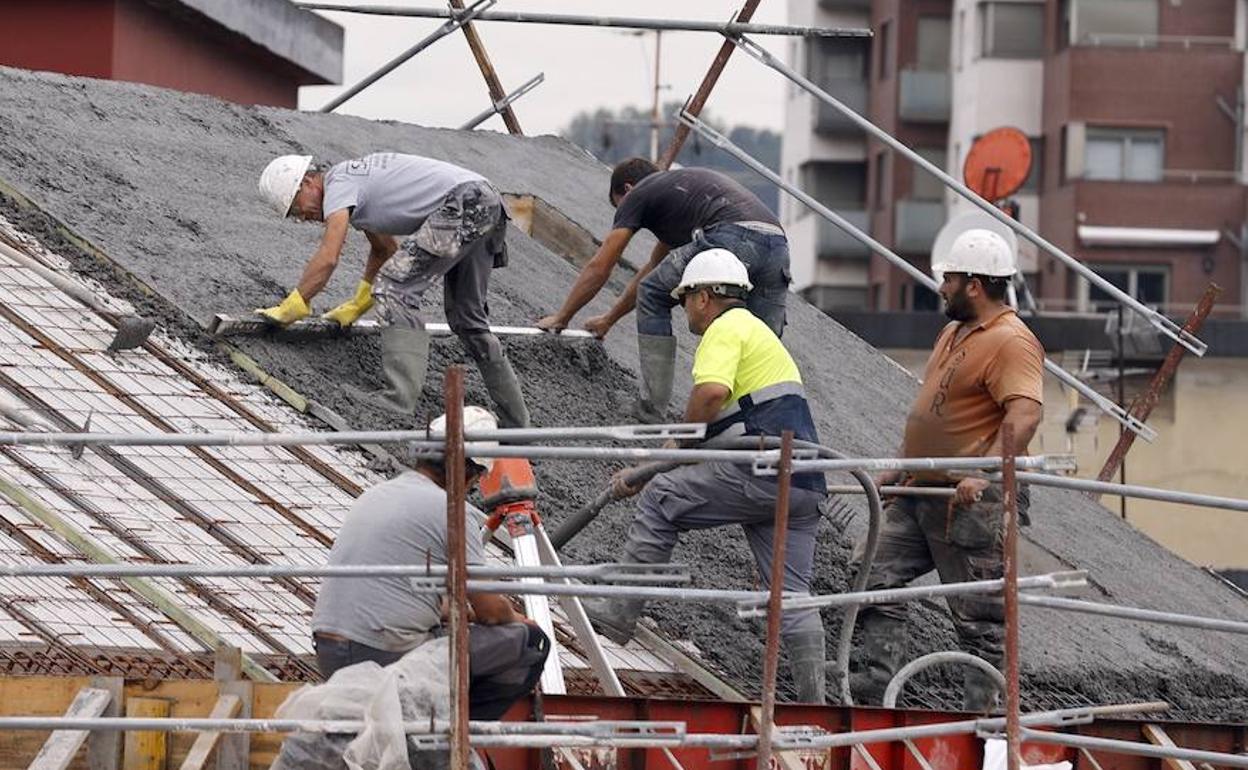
{"points": [[292, 309], [350, 311]]}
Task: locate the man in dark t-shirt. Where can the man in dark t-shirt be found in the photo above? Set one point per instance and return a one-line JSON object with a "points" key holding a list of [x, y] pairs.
{"points": [[688, 210]]}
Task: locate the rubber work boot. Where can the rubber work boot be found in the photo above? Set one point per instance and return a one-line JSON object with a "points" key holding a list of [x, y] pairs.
{"points": [[808, 664], [404, 361], [615, 619], [504, 389], [657, 357], [882, 639], [980, 694]]}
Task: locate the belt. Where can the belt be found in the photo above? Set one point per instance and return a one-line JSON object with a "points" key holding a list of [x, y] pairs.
{"points": [[329, 637], [761, 227]]}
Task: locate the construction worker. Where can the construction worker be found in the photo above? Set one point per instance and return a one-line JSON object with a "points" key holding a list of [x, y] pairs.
{"points": [[455, 227], [745, 384], [403, 521], [688, 210], [985, 371]]}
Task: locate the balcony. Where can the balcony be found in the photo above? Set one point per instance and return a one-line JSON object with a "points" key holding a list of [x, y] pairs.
{"points": [[915, 224], [834, 243], [924, 97], [851, 93]]}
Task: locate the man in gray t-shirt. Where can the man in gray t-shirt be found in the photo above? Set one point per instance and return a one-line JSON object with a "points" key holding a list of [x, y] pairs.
{"points": [[403, 521], [453, 225]]}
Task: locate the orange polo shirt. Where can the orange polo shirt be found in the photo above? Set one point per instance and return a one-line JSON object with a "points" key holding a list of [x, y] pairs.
{"points": [[966, 384]]}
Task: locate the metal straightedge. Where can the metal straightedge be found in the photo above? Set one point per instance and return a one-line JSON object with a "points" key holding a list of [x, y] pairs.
{"points": [[1165, 325], [1129, 421], [1054, 581], [456, 20], [624, 22], [225, 325], [502, 104]]}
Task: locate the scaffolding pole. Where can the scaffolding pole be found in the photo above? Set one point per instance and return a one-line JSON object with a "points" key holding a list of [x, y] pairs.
{"points": [[719, 140], [495, 86], [457, 562], [1168, 753], [1161, 322], [605, 22], [1013, 695], [501, 105], [1134, 490]]}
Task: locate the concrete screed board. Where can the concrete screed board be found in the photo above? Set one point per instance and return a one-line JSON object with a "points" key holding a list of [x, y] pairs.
{"points": [[165, 183]]}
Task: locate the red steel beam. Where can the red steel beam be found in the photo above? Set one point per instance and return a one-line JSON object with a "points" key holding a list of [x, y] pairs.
{"points": [[695, 105], [456, 562], [1143, 404]]}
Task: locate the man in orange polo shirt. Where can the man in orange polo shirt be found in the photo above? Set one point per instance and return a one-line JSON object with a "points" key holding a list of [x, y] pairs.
{"points": [[984, 371]]}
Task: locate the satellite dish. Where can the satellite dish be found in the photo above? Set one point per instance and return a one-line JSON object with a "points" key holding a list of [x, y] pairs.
{"points": [[998, 163], [971, 220]]}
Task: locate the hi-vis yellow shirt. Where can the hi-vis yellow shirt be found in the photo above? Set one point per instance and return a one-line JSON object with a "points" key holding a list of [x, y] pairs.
{"points": [[743, 354]]}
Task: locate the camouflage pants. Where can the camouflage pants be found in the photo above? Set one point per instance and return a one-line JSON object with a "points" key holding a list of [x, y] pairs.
{"points": [[461, 243], [961, 543]]}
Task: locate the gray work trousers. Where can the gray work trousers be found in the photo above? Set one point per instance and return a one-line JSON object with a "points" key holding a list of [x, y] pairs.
{"points": [[461, 243], [717, 494], [961, 543]]}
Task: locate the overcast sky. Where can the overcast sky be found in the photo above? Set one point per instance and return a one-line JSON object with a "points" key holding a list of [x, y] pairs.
{"points": [[585, 68]]}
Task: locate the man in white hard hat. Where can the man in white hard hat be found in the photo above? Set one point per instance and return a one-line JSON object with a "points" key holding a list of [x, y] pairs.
{"points": [[454, 227], [688, 210], [745, 384], [403, 521], [985, 371]]}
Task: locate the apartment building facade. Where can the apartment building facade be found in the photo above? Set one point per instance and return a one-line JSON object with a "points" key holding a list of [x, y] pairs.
{"points": [[1134, 109]]}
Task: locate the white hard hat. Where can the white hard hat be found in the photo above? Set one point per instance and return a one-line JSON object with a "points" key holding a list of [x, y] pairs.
{"points": [[281, 179], [713, 268], [475, 418], [977, 251]]}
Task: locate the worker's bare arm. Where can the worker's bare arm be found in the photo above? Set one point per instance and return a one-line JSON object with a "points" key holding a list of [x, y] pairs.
{"points": [[600, 325], [1023, 414], [706, 401], [493, 609], [590, 281], [381, 248], [321, 266]]}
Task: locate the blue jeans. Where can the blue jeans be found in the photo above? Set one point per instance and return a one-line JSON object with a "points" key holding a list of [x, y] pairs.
{"points": [[766, 256]]}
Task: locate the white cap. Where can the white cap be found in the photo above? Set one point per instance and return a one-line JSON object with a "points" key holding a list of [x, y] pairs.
{"points": [[281, 179], [713, 268], [977, 252], [475, 418]]}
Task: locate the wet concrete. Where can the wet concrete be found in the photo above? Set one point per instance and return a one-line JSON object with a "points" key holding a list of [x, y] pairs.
{"points": [[165, 184]]}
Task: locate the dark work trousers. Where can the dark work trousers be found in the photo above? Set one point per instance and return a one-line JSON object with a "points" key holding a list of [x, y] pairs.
{"points": [[504, 663], [962, 543]]}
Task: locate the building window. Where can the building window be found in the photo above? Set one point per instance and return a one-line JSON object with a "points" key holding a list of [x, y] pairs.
{"points": [[933, 43], [885, 49], [837, 185], [881, 176], [833, 59], [1124, 154], [927, 187], [1012, 30], [1110, 22], [1031, 185], [1149, 284]]}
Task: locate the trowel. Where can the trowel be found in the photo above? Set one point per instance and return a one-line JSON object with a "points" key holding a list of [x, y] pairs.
{"points": [[132, 330]]}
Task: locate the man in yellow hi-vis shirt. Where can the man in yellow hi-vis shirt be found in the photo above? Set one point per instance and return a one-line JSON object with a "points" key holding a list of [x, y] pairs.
{"points": [[745, 384]]}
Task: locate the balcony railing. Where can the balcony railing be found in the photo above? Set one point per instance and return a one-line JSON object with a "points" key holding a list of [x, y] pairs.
{"points": [[853, 93], [1133, 40], [925, 96], [840, 5], [834, 243], [915, 224]]}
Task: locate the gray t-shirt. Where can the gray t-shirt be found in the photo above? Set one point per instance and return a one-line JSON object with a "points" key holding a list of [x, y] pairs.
{"points": [[389, 193], [395, 522]]}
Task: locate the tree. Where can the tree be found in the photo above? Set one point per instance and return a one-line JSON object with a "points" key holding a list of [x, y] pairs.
{"points": [[612, 136]]}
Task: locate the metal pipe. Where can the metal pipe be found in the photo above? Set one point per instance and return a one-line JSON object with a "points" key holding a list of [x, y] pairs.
{"points": [[625, 22], [1013, 697], [455, 21], [922, 663], [771, 649], [617, 573], [431, 439], [439, 727], [1137, 749], [719, 140], [1135, 613], [669, 593], [504, 103], [457, 562], [749, 608], [1164, 324], [1134, 490], [914, 463], [893, 491]]}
